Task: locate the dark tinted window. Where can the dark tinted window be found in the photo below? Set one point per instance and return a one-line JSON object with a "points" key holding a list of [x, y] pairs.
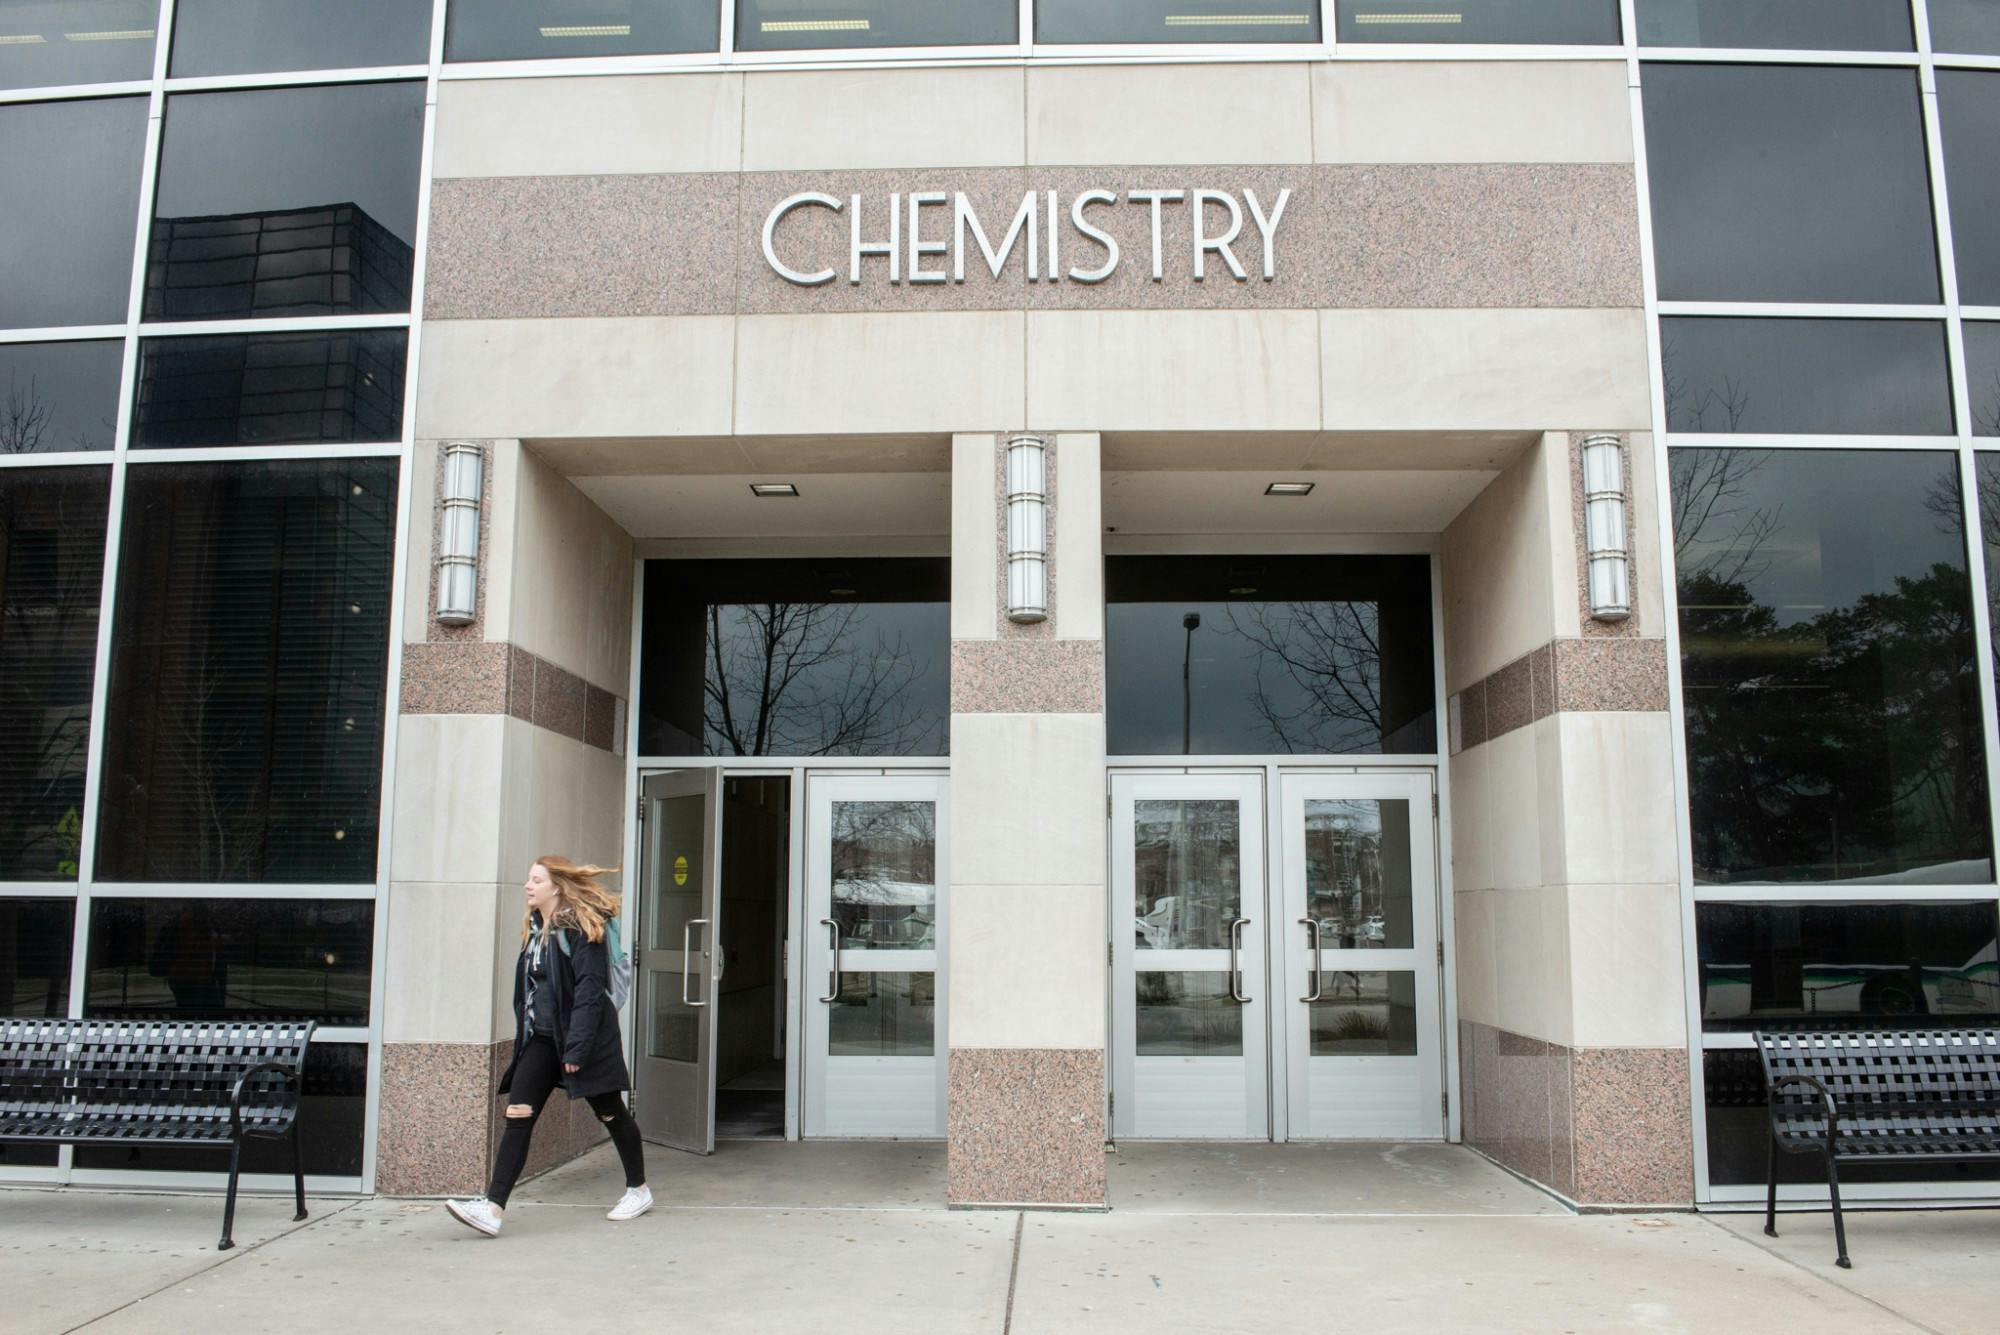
{"points": [[287, 201], [333, 1098], [1805, 25], [1965, 26], [541, 29], [67, 214], [52, 524], [1982, 376], [1788, 183], [1739, 1134], [1111, 21], [269, 389], [792, 25], [1289, 656], [1969, 113], [249, 655], [1832, 701], [1762, 964], [1879, 377], [796, 658], [231, 959], [1987, 471], [48, 43], [34, 956], [220, 37], [58, 396], [1529, 22]]}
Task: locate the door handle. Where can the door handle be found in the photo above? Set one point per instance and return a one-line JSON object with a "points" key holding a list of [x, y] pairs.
{"points": [[1236, 959], [833, 967], [687, 959], [1312, 931]]}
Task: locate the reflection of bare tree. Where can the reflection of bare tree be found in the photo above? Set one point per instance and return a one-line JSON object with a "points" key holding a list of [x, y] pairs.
{"points": [[24, 421], [229, 835], [1331, 654], [810, 679], [1986, 416], [1717, 538], [1711, 409]]}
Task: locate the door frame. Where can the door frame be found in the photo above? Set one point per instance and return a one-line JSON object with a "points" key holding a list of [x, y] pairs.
{"points": [[1274, 769]]}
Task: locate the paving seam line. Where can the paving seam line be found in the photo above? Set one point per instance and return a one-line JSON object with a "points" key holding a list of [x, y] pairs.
{"points": [[1834, 1281], [1014, 1273], [240, 1250]]}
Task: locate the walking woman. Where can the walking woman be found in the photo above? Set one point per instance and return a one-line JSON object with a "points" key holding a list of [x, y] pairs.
{"points": [[565, 1034]]}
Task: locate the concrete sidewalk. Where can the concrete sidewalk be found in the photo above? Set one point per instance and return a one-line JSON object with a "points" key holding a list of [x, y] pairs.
{"points": [[1432, 1239]]}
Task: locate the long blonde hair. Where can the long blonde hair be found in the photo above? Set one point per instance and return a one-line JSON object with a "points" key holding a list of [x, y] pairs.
{"points": [[582, 901]]}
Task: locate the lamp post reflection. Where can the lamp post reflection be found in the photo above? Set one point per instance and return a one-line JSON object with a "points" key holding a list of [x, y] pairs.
{"points": [[1190, 623]]}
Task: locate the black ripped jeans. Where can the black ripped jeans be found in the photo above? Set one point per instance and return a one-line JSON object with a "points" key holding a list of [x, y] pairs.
{"points": [[535, 1078]]}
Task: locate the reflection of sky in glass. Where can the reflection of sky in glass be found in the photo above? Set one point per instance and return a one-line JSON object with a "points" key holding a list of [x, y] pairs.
{"points": [[1262, 677], [826, 679]]}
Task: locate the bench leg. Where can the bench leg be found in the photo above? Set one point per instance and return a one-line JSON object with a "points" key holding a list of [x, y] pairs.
{"points": [[1839, 1227], [229, 1204], [1771, 1187], [298, 1174]]}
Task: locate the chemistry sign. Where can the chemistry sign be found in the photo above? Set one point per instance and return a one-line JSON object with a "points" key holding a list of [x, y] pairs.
{"points": [[927, 235]]}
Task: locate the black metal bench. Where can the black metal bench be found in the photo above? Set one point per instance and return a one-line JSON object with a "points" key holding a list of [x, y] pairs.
{"points": [[1877, 1096], [145, 1083]]}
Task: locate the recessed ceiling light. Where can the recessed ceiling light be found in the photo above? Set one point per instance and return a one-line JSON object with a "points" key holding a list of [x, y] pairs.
{"points": [[773, 489], [1243, 590], [1289, 489]]}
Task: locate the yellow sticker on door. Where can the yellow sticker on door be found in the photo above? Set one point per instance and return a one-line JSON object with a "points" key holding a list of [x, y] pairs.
{"points": [[680, 871]]}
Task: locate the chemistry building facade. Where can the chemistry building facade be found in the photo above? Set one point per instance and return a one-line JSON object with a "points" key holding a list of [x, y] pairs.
{"points": [[1279, 572]]}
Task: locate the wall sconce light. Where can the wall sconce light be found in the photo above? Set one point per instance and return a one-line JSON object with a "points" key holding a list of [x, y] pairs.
{"points": [[1610, 573], [458, 534], [1027, 529]]}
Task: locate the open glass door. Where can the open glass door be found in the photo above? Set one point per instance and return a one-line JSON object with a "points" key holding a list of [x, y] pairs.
{"points": [[680, 878], [1361, 996]]}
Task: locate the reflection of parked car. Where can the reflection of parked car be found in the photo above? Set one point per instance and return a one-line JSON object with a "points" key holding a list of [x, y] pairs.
{"points": [[1887, 990], [1374, 929]]}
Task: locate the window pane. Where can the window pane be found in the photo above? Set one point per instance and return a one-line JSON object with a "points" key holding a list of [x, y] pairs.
{"points": [[541, 29], [49, 43], [1359, 892], [248, 669], [1831, 696], [1762, 964], [66, 221], [1788, 183], [1982, 376], [51, 572], [1803, 25], [1987, 471], [287, 201], [1186, 1015], [59, 396], [796, 658], [885, 875], [1529, 22], [1739, 1132], [34, 956], [1112, 21], [792, 25], [333, 1101], [1969, 117], [1187, 873], [271, 389], [231, 959], [1287, 655], [1965, 26], [1870, 377], [218, 37], [883, 1015], [1364, 1015]]}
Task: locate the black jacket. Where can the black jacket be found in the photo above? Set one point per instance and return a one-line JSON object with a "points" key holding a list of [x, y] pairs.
{"points": [[586, 1023]]}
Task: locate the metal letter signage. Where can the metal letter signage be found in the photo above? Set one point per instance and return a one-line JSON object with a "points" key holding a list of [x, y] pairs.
{"points": [[893, 231]]}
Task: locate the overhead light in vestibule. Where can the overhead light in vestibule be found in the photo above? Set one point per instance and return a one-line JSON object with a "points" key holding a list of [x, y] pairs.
{"points": [[770, 489], [1289, 489]]}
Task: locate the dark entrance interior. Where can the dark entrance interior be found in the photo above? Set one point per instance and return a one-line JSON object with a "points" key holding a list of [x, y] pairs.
{"points": [[751, 1011]]}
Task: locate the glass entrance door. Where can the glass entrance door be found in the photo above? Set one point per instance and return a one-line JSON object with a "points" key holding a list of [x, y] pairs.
{"points": [[1188, 1000], [676, 967], [874, 1036], [1360, 967]]}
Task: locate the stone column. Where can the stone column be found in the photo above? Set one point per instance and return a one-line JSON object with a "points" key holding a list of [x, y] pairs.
{"points": [[1571, 997], [1027, 971], [509, 744]]}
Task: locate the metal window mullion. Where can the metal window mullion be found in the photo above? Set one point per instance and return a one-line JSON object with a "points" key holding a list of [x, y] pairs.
{"points": [[210, 454], [231, 890], [1805, 440], [275, 324], [75, 92], [1839, 892], [1743, 55], [64, 333], [55, 459], [1807, 310], [307, 78], [726, 36]]}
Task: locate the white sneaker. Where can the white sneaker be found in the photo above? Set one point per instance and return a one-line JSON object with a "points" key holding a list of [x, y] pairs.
{"points": [[635, 1202], [477, 1213]]}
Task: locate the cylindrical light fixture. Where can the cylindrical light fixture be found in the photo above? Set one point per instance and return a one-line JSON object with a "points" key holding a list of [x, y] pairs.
{"points": [[1610, 569], [458, 533], [1027, 529]]}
